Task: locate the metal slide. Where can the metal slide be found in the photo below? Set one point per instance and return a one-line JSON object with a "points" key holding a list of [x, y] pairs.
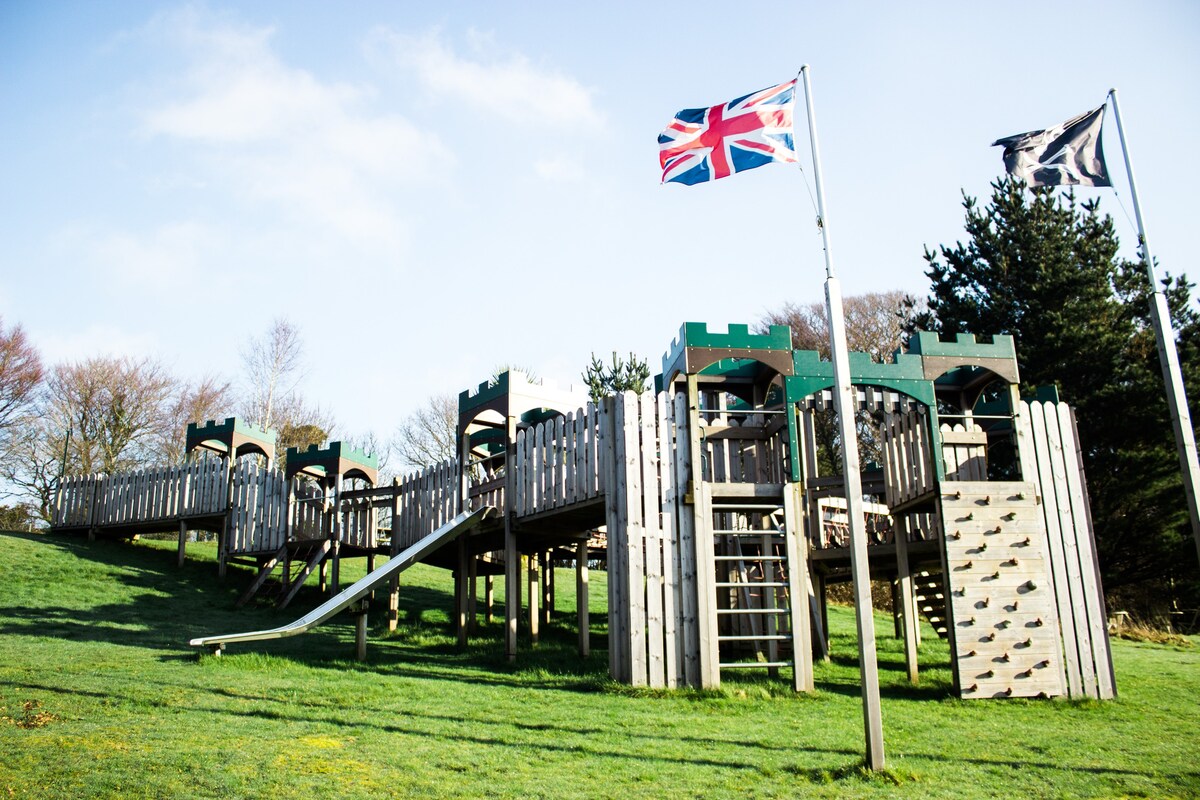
{"points": [[352, 594]]}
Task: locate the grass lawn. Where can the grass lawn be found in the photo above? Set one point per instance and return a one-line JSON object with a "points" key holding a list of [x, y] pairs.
{"points": [[101, 697]]}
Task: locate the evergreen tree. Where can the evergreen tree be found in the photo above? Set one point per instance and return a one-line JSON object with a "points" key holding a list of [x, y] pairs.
{"points": [[619, 377], [1043, 268]]}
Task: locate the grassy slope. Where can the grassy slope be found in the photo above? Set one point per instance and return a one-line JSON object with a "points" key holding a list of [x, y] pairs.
{"points": [[100, 697]]}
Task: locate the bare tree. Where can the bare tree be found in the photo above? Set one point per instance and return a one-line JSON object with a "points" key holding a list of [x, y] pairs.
{"points": [[428, 435], [209, 398], [274, 365], [117, 410], [20, 376], [874, 324]]}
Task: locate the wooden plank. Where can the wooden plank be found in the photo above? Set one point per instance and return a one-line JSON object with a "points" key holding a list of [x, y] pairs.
{"points": [[1078, 538], [685, 523], [650, 502], [1106, 678], [1061, 509], [798, 589], [672, 639], [635, 540]]}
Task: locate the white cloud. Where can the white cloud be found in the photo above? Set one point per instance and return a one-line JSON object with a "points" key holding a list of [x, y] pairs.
{"points": [[315, 151], [508, 85]]}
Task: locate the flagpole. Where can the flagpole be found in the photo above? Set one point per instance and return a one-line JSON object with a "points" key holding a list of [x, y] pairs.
{"points": [[843, 396], [1168, 356]]}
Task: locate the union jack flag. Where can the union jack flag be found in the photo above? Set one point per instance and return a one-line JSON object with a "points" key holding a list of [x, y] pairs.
{"points": [[703, 144]]}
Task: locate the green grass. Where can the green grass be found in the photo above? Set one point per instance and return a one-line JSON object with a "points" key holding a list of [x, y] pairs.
{"points": [[100, 697]]}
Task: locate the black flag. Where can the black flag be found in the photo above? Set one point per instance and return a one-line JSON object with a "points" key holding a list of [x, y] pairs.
{"points": [[1069, 154]]}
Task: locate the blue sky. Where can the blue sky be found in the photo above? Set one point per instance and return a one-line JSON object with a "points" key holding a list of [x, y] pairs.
{"points": [[432, 189]]}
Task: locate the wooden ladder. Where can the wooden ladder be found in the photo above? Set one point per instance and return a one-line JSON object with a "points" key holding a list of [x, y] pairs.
{"points": [[750, 568]]}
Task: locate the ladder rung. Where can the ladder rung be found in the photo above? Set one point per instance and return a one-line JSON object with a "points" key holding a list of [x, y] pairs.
{"points": [[730, 532], [753, 638], [752, 611], [748, 558], [753, 664], [750, 585]]}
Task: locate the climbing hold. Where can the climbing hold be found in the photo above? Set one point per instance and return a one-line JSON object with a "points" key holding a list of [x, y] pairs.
{"points": [[969, 654], [1008, 692], [1024, 543], [991, 637], [1038, 622], [1030, 585], [985, 602], [1010, 516], [971, 515], [1043, 664], [988, 674], [987, 499], [956, 535], [1005, 658], [998, 530], [982, 546], [1012, 562], [995, 574], [1027, 673]]}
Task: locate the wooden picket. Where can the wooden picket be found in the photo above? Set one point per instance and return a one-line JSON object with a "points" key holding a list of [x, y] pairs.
{"points": [[1050, 458]]}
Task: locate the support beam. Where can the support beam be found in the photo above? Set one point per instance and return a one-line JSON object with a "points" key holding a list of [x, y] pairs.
{"points": [[360, 631], [534, 599], [581, 598], [183, 532], [902, 590], [461, 578]]}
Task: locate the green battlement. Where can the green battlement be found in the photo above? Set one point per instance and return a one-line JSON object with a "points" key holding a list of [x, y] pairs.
{"points": [[927, 343], [337, 458], [905, 375], [232, 434], [697, 350]]}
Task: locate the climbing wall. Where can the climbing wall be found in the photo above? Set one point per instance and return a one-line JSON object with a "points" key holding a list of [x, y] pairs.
{"points": [[1003, 620]]}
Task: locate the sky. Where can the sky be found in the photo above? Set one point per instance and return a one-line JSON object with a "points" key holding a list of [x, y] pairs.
{"points": [[431, 190]]}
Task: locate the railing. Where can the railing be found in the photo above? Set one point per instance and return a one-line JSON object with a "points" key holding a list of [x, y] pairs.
{"points": [[155, 494], [964, 451], [557, 463], [908, 458]]}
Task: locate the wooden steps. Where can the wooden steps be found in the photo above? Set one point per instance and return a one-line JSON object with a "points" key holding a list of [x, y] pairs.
{"points": [[930, 594]]}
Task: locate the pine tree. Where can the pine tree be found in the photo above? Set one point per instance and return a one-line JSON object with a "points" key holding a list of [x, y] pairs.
{"points": [[1043, 268]]}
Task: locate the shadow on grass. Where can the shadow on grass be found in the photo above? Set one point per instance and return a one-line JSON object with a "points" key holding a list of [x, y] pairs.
{"points": [[556, 737]]}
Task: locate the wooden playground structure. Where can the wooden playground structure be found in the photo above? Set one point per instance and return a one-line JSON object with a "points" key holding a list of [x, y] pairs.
{"points": [[706, 500]]}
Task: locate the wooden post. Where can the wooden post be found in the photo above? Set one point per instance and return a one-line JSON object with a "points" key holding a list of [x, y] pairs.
{"points": [[534, 599], [581, 598], [512, 559], [360, 631], [489, 597], [461, 578], [393, 613], [182, 540], [902, 589], [544, 562], [472, 594], [226, 526], [706, 611], [798, 589]]}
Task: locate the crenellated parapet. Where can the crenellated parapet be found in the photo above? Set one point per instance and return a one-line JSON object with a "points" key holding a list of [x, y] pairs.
{"points": [[233, 435], [337, 459]]}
